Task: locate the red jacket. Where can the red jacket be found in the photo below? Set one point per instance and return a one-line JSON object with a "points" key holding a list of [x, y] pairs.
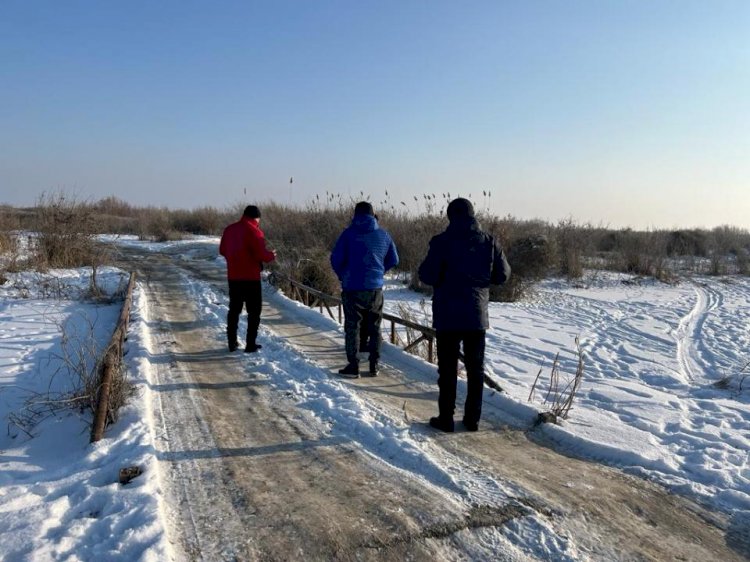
{"points": [[244, 246]]}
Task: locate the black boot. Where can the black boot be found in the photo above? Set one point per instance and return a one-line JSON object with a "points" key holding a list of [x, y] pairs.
{"points": [[443, 424], [373, 372], [350, 371]]}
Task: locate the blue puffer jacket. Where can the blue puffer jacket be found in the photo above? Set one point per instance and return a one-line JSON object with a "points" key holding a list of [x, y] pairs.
{"points": [[362, 255]]}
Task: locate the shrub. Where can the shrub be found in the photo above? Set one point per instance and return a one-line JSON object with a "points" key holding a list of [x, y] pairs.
{"points": [[560, 395], [687, 243], [642, 253], [572, 242], [316, 272], [156, 224], [743, 262], [730, 240], [66, 231], [412, 237], [530, 259], [8, 224], [203, 220]]}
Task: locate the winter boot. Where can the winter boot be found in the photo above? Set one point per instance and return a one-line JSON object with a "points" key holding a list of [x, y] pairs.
{"points": [[373, 372], [350, 371], [443, 424]]}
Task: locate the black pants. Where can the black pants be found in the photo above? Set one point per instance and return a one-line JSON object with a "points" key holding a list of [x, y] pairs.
{"points": [[247, 294], [362, 310], [448, 348]]}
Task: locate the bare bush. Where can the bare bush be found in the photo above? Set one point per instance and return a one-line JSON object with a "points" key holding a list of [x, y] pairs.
{"points": [[642, 253], [572, 243], [156, 224], [316, 272], [410, 339], [295, 231], [687, 243], [9, 249], [203, 220], [736, 381], [300, 231], [530, 259], [66, 233], [79, 364], [743, 262], [560, 394], [728, 240], [412, 238], [8, 226]]}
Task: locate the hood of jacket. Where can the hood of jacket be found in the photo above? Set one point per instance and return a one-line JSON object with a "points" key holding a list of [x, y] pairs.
{"points": [[464, 227], [364, 223], [251, 222]]}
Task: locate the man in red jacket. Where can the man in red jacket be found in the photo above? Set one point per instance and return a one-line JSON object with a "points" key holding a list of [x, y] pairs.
{"points": [[244, 247]]}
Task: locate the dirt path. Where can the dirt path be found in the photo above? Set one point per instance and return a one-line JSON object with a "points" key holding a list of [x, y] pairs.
{"points": [[253, 476]]}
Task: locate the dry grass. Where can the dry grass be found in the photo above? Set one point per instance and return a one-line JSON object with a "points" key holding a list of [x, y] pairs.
{"points": [[736, 381], [65, 233], [308, 232], [560, 393]]}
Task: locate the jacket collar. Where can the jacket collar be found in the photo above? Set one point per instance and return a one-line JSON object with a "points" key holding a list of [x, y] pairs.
{"points": [[463, 224], [252, 222]]}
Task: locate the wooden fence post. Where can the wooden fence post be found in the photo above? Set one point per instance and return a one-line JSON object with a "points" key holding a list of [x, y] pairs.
{"points": [[112, 359]]}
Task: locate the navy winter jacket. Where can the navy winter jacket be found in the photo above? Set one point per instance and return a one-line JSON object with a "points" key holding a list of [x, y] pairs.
{"points": [[362, 255], [461, 264]]}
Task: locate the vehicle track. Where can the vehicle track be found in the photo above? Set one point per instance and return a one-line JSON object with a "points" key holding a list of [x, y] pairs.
{"points": [[688, 332]]}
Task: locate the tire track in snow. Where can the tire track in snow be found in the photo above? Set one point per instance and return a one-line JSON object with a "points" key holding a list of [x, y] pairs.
{"points": [[689, 358]]}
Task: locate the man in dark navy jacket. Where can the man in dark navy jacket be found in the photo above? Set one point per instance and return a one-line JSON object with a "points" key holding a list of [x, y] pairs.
{"points": [[243, 244], [360, 258], [461, 264]]}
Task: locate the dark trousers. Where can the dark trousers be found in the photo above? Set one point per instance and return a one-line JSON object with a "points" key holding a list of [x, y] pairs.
{"points": [[448, 348], [363, 310], [247, 294]]}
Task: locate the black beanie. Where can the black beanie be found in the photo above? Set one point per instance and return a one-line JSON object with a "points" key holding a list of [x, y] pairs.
{"points": [[251, 212], [460, 208], [363, 208]]}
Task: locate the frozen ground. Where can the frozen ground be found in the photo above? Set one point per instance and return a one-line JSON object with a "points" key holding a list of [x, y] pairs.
{"points": [[648, 404]]}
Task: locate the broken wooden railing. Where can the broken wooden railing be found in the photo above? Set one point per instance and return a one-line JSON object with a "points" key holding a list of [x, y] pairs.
{"points": [[318, 299], [110, 364]]}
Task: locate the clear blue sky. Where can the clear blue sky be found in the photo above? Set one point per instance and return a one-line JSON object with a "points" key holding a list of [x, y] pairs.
{"points": [[630, 113]]}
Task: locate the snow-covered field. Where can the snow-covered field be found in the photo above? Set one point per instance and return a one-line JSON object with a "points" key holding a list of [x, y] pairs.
{"points": [[652, 355], [647, 403]]}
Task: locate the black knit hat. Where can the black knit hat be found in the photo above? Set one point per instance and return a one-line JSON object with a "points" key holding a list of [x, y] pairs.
{"points": [[251, 212], [460, 208], [363, 208]]}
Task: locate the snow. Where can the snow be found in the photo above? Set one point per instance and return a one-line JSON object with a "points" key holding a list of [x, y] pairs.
{"points": [[648, 404], [59, 496]]}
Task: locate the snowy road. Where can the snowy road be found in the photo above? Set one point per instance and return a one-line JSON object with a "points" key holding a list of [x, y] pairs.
{"points": [[275, 457]]}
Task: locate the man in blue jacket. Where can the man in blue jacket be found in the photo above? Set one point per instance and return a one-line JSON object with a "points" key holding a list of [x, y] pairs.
{"points": [[461, 264], [360, 258]]}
